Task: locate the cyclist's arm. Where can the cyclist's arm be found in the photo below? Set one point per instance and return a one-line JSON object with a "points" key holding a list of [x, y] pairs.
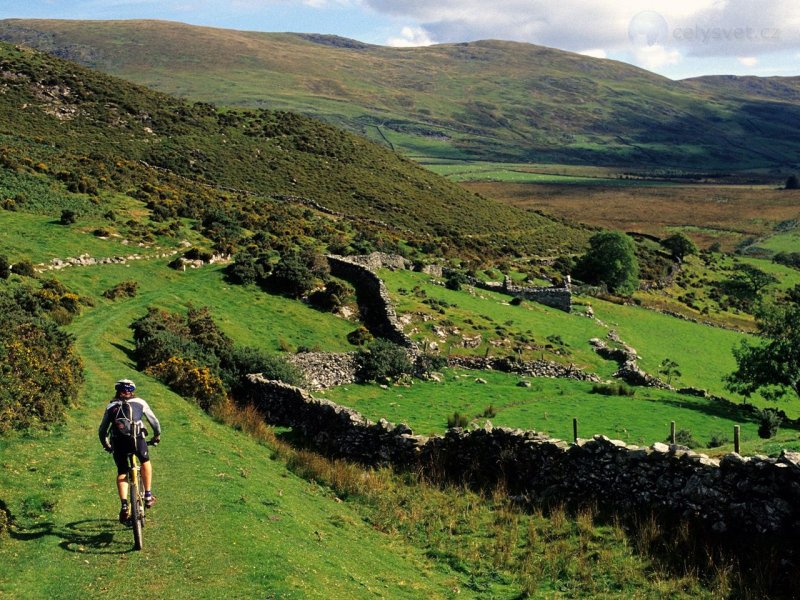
{"points": [[151, 418], [103, 429]]}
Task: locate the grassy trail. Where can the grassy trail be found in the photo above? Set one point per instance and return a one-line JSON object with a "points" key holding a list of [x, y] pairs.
{"points": [[230, 521]]}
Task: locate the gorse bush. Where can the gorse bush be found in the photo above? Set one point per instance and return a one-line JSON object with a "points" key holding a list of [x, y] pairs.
{"points": [[40, 373], [124, 289], [196, 359]]}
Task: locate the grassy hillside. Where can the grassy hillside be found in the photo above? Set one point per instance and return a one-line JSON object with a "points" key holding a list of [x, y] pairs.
{"points": [[490, 100], [75, 139]]}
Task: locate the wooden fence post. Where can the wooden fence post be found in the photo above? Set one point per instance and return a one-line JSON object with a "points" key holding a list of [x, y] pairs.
{"points": [[575, 430], [672, 432], [736, 438]]}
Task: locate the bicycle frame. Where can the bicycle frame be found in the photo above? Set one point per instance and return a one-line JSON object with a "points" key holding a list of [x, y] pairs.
{"points": [[136, 502]]}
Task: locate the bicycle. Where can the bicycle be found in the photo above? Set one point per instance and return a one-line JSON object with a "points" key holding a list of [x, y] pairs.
{"points": [[136, 498]]}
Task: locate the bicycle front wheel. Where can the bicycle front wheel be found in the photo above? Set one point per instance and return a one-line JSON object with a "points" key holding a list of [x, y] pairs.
{"points": [[137, 520]]}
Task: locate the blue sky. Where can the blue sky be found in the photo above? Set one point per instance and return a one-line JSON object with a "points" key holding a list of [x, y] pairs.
{"points": [[676, 38]]}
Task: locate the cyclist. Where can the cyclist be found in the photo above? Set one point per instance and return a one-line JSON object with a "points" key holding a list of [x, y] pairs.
{"points": [[123, 416]]}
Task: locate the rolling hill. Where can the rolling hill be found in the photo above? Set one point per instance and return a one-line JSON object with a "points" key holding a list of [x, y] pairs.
{"points": [[79, 131], [488, 100]]}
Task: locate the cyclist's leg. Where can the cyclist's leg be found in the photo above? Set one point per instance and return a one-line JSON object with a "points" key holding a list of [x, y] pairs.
{"points": [[121, 460], [147, 467]]}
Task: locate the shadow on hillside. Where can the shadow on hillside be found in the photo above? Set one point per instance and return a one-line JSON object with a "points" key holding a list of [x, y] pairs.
{"points": [[91, 536], [128, 352], [713, 409]]}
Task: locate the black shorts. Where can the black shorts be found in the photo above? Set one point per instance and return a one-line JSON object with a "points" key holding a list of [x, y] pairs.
{"points": [[124, 446]]}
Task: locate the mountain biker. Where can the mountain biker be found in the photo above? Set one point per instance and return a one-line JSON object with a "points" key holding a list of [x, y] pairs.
{"points": [[123, 417]]}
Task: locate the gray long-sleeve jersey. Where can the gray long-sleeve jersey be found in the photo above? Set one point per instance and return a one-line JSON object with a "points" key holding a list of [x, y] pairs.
{"points": [[140, 409]]}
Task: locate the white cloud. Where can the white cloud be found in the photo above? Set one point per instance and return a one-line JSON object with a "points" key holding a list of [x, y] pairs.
{"points": [[594, 53], [748, 61], [656, 57], [411, 36], [692, 27]]}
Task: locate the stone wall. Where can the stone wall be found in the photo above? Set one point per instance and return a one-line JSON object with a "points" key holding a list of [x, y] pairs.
{"points": [[743, 497], [536, 368], [555, 297], [377, 310]]}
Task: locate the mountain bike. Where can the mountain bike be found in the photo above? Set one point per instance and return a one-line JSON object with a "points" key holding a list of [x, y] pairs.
{"points": [[136, 498]]}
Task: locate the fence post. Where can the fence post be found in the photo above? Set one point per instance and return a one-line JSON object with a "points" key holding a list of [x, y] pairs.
{"points": [[672, 432], [575, 430], [736, 438]]}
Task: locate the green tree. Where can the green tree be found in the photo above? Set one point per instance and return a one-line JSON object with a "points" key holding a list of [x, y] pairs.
{"points": [[669, 369], [771, 366], [611, 259], [793, 183], [679, 246]]}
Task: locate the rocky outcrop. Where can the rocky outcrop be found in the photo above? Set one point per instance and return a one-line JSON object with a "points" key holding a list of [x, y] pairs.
{"points": [[629, 370], [743, 497]]}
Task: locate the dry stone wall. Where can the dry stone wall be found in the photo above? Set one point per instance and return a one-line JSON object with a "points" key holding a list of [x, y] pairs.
{"points": [[555, 297], [740, 497], [536, 368], [377, 310]]}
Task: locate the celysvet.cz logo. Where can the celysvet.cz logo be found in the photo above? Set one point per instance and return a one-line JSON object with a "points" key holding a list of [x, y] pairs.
{"points": [[650, 28]]}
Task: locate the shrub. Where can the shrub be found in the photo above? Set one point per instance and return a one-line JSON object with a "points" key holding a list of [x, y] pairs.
{"points": [[248, 268], [382, 360], [684, 437], [792, 183], [40, 374], [613, 389], [457, 420], [428, 363], [769, 422], [242, 361], [335, 295], [291, 276], [24, 267], [360, 336], [124, 289], [515, 301], [5, 267], [101, 232], [717, 440], [68, 217], [454, 280], [490, 412], [190, 380]]}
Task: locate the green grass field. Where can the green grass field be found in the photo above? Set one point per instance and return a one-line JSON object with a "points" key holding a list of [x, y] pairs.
{"points": [[231, 521], [549, 406]]}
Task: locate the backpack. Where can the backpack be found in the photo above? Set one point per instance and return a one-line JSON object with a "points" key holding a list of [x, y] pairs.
{"points": [[123, 424]]}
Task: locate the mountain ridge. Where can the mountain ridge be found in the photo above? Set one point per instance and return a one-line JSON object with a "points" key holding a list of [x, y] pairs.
{"points": [[486, 100]]}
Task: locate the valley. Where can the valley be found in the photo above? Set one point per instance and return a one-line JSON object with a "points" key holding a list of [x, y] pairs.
{"points": [[236, 210]]}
